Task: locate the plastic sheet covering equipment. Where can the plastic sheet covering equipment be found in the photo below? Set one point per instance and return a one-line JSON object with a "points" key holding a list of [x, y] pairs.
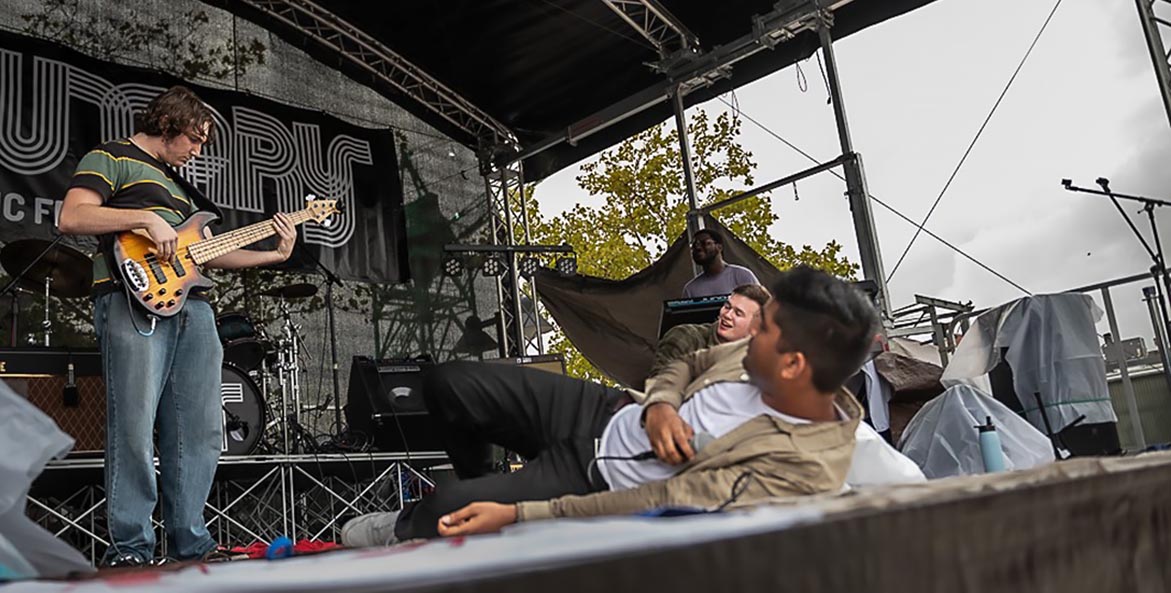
{"points": [[1052, 350], [943, 441], [28, 440], [615, 323]]}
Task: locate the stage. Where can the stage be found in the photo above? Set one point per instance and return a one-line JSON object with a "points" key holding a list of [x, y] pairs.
{"points": [[254, 498], [1100, 524]]}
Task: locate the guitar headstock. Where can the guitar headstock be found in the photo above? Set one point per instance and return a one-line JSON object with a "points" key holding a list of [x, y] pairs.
{"points": [[321, 210]]}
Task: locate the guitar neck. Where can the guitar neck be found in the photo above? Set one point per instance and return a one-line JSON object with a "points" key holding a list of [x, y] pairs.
{"points": [[209, 249]]}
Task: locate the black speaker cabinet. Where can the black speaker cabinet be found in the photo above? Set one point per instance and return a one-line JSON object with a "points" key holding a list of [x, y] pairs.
{"points": [[385, 402]]}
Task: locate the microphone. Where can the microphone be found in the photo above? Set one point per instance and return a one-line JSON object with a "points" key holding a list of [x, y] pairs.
{"points": [[698, 442], [70, 398]]}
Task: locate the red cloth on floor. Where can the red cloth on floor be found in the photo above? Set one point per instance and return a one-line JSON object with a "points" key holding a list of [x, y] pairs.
{"points": [[303, 546]]}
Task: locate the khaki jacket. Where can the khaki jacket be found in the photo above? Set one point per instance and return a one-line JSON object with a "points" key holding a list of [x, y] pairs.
{"points": [[779, 459]]}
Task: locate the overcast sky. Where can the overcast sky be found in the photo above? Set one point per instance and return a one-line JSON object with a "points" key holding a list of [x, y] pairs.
{"points": [[916, 90]]}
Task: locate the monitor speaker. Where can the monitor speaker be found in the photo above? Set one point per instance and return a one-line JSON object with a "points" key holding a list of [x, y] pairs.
{"points": [[385, 402]]}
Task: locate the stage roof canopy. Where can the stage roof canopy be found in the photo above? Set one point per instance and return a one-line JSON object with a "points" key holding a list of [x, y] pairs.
{"points": [[539, 71]]}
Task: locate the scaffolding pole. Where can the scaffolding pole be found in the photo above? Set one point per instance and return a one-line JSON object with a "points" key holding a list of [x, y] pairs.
{"points": [[856, 191]]}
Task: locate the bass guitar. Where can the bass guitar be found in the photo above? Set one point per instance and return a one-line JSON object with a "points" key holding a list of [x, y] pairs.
{"points": [[162, 287]]}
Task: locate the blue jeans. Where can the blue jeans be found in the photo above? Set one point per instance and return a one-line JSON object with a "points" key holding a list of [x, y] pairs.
{"points": [[172, 377]]}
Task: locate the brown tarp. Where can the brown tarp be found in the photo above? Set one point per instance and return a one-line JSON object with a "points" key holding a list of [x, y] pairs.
{"points": [[615, 323]]}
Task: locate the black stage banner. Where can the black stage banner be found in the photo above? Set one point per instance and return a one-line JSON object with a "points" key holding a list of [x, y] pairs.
{"points": [[56, 104]]}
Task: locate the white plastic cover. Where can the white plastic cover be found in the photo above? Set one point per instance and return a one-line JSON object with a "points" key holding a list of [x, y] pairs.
{"points": [[28, 440], [1052, 350], [942, 438]]}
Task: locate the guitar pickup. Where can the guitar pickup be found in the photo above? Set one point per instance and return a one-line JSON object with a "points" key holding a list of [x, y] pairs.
{"points": [[177, 264], [153, 262]]}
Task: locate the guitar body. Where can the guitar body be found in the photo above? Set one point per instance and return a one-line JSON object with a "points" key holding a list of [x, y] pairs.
{"points": [[161, 287]]}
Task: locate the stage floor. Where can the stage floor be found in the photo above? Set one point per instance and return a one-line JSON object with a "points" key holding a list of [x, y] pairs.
{"points": [[1081, 525]]}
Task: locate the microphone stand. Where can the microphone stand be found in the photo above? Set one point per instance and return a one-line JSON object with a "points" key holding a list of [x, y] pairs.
{"points": [[1159, 270], [331, 280]]}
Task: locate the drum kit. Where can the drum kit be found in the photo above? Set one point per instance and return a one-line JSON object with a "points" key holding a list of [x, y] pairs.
{"points": [[250, 354], [51, 269]]}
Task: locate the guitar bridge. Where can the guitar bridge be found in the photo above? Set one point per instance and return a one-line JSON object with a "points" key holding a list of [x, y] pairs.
{"points": [[135, 275]]}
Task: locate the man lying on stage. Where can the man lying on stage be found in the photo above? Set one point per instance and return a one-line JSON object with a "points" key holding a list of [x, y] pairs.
{"points": [[772, 406]]}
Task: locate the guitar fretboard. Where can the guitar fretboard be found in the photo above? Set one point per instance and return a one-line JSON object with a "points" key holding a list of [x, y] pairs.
{"points": [[209, 249]]}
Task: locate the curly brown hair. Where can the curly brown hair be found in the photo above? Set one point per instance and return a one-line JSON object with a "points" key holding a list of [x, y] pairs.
{"points": [[176, 111]]}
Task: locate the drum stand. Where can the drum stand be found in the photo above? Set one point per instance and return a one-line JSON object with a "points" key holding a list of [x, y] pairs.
{"points": [[289, 381], [47, 324]]}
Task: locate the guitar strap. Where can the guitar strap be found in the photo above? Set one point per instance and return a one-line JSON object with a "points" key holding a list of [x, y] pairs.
{"points": [[201, 202]]}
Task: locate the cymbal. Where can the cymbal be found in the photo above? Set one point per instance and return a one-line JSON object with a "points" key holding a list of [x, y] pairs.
{"points": [[69, 271], [292, 291]]}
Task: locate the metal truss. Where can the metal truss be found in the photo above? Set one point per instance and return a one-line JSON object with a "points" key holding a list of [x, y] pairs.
{"points": [[254, 499], [366, 52], [1158, 51], [508, 207], [658, 26]]}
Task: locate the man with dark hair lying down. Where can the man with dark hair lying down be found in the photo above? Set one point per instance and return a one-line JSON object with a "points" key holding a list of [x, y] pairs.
{"points": [[782, 426]]}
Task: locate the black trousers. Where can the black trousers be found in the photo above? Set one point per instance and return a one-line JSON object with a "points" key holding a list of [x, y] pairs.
{"points": [[551, 420]]}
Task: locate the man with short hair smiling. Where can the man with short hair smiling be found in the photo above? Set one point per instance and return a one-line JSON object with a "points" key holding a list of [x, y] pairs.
{"points": [[737, 318], [781, 423]]}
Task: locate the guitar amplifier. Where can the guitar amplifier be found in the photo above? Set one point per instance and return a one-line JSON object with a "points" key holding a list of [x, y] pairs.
{"points": [[41, 374], [385, 402]]}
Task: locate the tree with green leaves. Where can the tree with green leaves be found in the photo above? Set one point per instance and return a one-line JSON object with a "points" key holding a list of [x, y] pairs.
{"points": [[645, 209]]}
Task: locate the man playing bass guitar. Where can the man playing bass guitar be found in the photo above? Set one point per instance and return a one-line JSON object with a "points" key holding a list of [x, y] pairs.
{"points": [[157, 369]]}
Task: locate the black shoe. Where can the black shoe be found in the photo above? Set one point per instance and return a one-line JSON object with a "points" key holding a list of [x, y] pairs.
{"points": [[123, 561], [222, 554]]}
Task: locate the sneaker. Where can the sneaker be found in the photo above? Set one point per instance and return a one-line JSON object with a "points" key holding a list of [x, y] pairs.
{"points": [[374, 529], [222, 554], [123, 561]]}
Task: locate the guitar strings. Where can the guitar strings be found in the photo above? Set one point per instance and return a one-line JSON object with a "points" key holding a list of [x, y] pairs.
{"points": [[209, 249]]}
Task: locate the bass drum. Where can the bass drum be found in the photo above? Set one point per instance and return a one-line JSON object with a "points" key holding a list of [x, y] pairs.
{"points": [[243, 412]]}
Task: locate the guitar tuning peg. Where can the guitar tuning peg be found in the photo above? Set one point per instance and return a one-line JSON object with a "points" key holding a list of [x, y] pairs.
{"points": [[310, 197], [327, 223]]}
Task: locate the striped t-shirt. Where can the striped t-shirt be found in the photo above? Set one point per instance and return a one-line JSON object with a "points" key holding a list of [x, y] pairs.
{"points": [[127, 177]]}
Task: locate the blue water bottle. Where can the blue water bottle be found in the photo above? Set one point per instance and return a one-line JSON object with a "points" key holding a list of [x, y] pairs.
{"points": [[990, 448]]}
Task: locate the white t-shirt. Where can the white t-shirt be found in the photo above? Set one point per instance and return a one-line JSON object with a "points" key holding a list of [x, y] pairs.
{"points": [[719, 409], [875, 462], [716, 410], [716, 284]]}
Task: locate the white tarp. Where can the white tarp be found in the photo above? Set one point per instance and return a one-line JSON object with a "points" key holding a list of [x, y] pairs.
{"points": [[1052, 350], [943, 440], [28, 440]]}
